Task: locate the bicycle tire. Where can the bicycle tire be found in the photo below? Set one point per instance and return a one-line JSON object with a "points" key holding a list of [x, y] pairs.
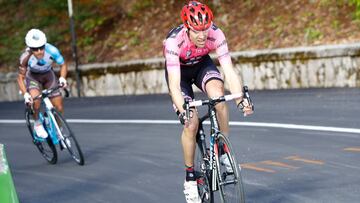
{"points": [[203, 172], [46, 147], [69, 140], [230, 184]]}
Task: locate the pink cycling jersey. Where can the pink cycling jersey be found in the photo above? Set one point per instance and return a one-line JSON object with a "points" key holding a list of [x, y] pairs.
{"points": [[179, 50]]}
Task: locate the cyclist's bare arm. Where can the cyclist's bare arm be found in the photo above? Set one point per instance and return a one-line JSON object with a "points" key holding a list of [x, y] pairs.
{"points": [[63, 70], [233, 80], [235, 87], [174, 77], [20, 81], [22, 71]]}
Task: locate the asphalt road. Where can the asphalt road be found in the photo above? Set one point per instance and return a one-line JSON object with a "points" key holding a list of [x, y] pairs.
{"points": [[142, 162]]}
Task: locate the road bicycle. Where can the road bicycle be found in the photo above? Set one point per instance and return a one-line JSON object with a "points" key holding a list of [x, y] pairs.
{"points": [[59, 132], [212, 175]]}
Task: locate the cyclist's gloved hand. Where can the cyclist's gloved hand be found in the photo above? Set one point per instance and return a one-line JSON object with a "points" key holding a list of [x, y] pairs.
{"points": [[62, 82], [27, 97], [246, 107], [183, 118]]}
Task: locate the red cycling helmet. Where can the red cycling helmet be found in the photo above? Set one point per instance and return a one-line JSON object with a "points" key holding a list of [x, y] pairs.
{"points": [[196, 16]]}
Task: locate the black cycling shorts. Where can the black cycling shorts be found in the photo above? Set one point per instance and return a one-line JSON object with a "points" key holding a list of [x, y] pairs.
{"points": [[42, 80], [198, 74]]}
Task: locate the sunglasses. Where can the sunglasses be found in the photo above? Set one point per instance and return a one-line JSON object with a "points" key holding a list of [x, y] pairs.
{"points": [[37, 48]]}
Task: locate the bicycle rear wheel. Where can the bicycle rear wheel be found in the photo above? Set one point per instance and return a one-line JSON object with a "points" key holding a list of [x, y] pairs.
{"points": [[46, 147], [203, 172], [230, 182], [68, 139]]}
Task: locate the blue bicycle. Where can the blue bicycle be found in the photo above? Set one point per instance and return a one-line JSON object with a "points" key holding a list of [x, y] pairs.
{"points": [[57, 128]]}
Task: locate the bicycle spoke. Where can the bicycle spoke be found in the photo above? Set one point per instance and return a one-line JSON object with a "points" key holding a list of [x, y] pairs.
{"points": [[201, 168], [45, 147], [230, 183], [67, 138]]}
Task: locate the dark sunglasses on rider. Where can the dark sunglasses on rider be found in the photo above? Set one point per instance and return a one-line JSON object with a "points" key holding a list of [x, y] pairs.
{"points": [[37, 48]]}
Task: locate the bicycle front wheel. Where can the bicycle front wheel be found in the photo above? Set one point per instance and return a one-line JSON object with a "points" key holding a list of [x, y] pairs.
{"points": [[68, 139], [203, 172], [229, 173], [46, 147]]}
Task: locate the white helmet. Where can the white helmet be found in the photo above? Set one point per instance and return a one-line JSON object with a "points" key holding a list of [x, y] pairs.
{"points": [[35, 38]]}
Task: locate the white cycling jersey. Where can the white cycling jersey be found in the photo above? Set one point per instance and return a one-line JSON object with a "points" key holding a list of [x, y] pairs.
{"points": [[43, 65]]}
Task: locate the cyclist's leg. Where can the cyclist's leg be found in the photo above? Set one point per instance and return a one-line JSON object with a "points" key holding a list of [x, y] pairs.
{"points": [[188, 135], [33, 86], [210, 81], [55, 97], [58, 103], [215, 88], [188, 141]]}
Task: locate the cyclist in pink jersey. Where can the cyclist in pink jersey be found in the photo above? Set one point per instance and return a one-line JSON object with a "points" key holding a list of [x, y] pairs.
{"points": [[186, 51]]}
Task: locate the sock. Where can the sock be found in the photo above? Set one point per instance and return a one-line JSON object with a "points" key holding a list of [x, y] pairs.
{"points": [[190, 173]]}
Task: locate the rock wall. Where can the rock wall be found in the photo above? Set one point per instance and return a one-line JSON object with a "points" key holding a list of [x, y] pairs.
{"points": [[299, 67]]}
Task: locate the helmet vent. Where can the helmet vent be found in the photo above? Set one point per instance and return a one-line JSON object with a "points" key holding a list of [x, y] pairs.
{"points": [[200, 17], [36, 37], [193, 20], [192, 10]]}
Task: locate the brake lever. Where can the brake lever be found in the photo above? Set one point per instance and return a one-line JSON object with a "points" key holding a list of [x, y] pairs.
{"points": [[187, 109], [67, 92]]}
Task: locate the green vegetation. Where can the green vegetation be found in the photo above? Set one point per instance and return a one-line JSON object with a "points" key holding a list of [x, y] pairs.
{"points": [[312, 33], [357, 5], [129, 29]]}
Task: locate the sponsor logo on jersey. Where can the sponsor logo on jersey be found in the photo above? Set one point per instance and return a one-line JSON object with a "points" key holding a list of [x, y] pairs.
{"points": [[211, 39], [41, 62], [188, 54], [33, 84], [222, 44], [214, 27], [171, 52]]}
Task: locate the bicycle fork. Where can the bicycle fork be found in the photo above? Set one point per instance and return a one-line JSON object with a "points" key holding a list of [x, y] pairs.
{"points": [[214, 160], [213, 164]]}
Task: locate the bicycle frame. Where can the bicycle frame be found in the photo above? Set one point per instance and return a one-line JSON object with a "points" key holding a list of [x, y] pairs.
{"points": [[210, 165], [59, 132], [51, 127], [214, 131]]}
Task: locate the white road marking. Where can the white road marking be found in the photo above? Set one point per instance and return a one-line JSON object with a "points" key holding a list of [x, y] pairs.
{"points": [[232, 123]]}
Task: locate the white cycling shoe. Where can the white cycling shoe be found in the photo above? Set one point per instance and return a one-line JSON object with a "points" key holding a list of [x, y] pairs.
{"points": [[224, 160], [39, 129], [191, 192]]}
